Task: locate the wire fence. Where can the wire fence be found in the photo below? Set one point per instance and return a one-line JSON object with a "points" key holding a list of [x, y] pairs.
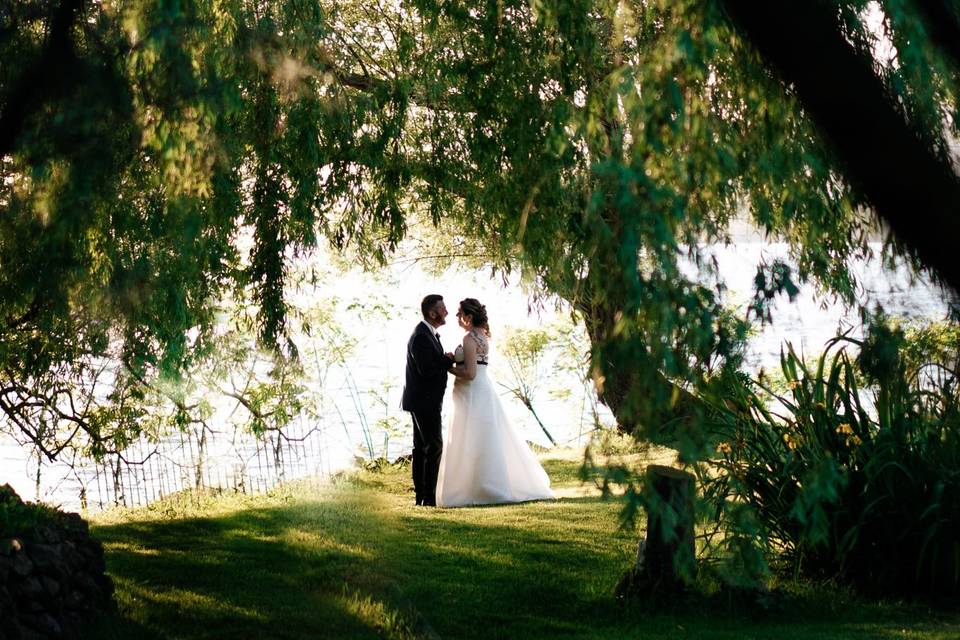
{"points": [[147, 471], [228, 458]]}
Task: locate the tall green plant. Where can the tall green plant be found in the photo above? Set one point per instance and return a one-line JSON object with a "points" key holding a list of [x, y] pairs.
{"points": [[854, 473]]}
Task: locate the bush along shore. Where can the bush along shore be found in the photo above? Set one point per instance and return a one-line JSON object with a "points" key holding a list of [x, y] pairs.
{"points": [[52, 573]]}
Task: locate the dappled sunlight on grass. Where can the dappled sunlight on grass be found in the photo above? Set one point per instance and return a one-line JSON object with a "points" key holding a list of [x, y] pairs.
{"points": [[578, 491], [383, 618], [134, 548], [309, 542], [188, 603], [356, 559]]}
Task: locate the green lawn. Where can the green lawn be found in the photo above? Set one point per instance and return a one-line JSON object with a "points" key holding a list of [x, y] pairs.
{"points": [[355, 559]]}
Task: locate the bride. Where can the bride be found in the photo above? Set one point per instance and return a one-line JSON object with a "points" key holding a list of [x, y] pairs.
{"points": [[485, 461]]}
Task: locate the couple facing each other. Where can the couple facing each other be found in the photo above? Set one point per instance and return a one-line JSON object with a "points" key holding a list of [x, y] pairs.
{"points": [[485, 460]]}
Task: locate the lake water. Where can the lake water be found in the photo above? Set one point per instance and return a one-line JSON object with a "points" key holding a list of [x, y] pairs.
{"points": [[367, 390]]}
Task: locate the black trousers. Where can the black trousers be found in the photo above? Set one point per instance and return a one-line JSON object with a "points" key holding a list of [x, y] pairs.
{"points": [[427, 447]]}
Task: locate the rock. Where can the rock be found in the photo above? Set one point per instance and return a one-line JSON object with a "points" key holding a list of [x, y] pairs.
{"points": [[32, 606], [71, 623], [47, 534], [30, 634], [72, 558], [43, 623], [50, 586], [21, 564], [47, 559], [12, 628], [74, 600], [87, 585], [29, 589], [51, 583], [10, 546]]}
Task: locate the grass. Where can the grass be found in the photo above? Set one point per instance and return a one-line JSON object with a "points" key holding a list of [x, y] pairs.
{"points": [[355, 559]]}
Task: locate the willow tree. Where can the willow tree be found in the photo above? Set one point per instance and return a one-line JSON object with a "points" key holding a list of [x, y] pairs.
{"points": [[597, 145], [156, 158], [593, 145], [683, 124]]}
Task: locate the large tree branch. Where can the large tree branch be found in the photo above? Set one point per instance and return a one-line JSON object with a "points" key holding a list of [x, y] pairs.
{"points": [[915, 192]]}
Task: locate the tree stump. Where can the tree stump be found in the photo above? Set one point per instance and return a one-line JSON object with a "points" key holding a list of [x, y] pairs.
{"points": [[666, 559]]}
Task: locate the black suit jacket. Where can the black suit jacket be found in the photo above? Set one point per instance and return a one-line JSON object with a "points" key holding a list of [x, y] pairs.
{"points": [[427, 368]]}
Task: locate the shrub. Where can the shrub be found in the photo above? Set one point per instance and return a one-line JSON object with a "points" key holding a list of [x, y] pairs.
{"points": [[855, 475]]}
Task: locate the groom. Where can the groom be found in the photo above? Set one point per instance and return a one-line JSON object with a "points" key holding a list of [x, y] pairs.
{"points": [[427, 367]]}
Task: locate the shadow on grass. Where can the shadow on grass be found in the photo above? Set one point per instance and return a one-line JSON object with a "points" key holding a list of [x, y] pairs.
{"points": [[361, 564], [283, 572]]}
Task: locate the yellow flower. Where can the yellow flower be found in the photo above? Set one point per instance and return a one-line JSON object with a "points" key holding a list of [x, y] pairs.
{"points": [[845, 428], [854, 440], [793, 384], [791, 442], [724, 448]]}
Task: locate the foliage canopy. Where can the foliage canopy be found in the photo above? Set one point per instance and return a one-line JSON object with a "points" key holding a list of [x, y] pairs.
{"points": [[183, 151]]}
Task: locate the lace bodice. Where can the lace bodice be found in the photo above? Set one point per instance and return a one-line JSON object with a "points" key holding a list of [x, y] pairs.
{"points": [[483, 344]]}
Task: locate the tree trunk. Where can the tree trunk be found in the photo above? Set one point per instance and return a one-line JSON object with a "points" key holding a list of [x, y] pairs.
{"points": [[649, 406], [666, 559], [880, 152]]}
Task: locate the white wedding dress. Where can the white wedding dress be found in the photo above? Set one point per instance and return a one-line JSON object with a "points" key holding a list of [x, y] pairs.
{"points": [[484, 460]]}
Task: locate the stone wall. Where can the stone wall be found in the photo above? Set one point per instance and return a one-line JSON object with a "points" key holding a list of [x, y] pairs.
{"points": [[51, 577]]}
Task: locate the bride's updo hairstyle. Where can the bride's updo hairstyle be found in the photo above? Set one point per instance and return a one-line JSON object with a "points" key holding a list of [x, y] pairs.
{"points": [[477, 313]]}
